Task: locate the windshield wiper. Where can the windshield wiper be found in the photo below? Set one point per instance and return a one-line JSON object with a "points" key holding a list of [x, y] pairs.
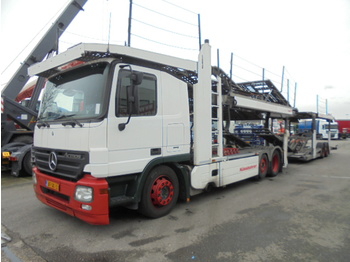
{"points": [[72, 123], [41, 124], [64, 116]]}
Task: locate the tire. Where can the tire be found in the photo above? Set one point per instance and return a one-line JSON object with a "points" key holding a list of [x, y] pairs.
{"points": [[263, 166], [27, 163], [327, 151], [160, 192], [323, 153], [321, 146], [276, 163]]}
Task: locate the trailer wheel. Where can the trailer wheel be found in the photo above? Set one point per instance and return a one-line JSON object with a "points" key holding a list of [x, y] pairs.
{"points": [[160, 192], [326, 147], [263, 166], [275, 164], [321, 146]]}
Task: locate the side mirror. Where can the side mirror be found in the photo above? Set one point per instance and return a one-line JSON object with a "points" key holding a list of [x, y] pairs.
{"points": [[132, 93], [136, 78]]}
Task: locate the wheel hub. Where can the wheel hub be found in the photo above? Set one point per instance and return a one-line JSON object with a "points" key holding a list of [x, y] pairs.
{"points": [[263, 165], [162, 191]]}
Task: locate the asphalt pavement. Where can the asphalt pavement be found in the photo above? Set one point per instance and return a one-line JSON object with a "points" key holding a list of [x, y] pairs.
{"points": [[302, 214]]}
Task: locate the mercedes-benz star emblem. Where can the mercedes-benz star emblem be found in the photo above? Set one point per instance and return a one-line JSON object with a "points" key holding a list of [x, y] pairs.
{"points": [[53, 161]]}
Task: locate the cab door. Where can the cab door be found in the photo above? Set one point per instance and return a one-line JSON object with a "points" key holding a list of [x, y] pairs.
{"points": [[133, 140]]}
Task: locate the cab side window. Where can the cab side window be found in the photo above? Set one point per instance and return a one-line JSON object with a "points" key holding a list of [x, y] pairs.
{"points": [[143, 96]]}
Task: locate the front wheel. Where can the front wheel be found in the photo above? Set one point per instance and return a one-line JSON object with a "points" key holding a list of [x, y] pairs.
{"points": [[160, 192]]}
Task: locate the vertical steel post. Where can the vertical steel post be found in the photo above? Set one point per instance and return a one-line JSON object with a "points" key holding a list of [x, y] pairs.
{"points": [[109, 31], [231, 62], [263, 76], [295, 94], [202, 106], [288, 90], [285, 142], [282, 79], [199, 32], [129, 26], [263, 84], [218, 57], [314, 136], [328, 129]]}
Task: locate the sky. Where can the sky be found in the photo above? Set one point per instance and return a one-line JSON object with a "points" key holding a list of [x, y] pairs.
{"points": [[310, 39]]}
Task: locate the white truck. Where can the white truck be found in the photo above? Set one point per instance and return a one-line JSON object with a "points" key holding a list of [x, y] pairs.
{"points": [[323, 128], [128, 127]]}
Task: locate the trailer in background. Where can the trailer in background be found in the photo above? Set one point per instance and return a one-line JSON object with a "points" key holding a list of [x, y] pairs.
{"points": [[343, 128], [304, 146]]}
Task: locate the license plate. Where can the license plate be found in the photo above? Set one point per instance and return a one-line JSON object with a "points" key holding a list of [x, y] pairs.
{"points": [[53, 185], [6, 154]]}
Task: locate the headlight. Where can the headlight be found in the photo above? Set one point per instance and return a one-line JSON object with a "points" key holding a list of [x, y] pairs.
{"points": [[84, 193], [34, 178]]}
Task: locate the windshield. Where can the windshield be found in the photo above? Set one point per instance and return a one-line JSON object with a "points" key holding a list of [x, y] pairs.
{"points": [[79, 93], [332, 126]]}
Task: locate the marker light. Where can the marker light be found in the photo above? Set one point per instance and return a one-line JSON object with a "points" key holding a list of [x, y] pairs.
{"points": [[34, 178], [86, 207]]}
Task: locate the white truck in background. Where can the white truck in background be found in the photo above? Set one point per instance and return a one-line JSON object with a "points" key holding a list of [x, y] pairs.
{"points": [[128, 127], [323, 128]]}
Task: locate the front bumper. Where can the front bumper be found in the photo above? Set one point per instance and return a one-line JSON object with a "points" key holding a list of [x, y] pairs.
{"points": [[63, 197]]}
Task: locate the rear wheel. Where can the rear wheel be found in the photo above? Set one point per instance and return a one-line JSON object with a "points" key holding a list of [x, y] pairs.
{"points": [[263, 166], [160, 192], [275, 164]]}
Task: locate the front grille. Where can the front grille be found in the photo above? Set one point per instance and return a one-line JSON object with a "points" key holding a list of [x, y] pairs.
{"points": [[70, 164], [56, 204]]}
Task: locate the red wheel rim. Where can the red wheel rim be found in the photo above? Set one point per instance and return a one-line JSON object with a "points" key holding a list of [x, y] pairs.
{"points": [[263, 165], [162, 192], [275, 163]]}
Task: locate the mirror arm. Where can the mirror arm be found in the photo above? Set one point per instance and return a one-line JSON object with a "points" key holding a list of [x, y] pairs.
{"points": [[122, 126]]}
